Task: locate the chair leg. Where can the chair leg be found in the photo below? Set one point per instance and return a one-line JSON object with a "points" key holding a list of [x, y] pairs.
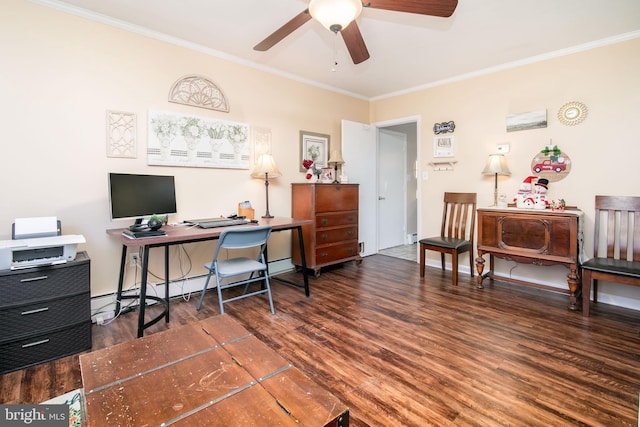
{"points": [[454, 268], [471, 263], [206, 285], [220, 294], [422, 260], [595, 290], [266, 281], [586, 291], [442, 260]]}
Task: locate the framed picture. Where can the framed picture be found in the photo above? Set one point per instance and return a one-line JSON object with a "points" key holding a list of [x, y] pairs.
{"points": [[314, 146], [525, 121], [443, 146]]}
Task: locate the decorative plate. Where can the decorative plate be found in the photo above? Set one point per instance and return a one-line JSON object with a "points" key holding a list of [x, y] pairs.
{"points": [[572, 113]]}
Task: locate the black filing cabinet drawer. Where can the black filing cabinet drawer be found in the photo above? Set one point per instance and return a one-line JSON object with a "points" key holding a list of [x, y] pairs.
{"points": [[44, 347], [40, 316], [45, 313], [35, 284]]}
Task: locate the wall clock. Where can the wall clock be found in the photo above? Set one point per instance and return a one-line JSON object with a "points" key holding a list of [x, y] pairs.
{"points": [[572, 113]]}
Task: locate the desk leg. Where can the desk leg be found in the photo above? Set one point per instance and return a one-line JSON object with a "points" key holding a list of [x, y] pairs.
{"points": [[143, 290], [303, 260], [123, 261], [166, 280]]}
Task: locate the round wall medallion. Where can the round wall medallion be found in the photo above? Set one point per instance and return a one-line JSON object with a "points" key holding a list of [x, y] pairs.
{"points": [[572, 113]]}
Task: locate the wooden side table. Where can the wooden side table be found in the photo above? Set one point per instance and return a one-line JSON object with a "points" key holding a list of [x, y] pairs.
{"points": [[539, 237]]}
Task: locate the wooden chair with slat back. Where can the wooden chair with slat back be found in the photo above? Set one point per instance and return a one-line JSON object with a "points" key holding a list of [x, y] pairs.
{"points": [[456, 233], [616, 242]]}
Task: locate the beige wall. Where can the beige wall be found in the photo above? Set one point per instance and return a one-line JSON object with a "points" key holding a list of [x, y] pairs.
{"points": [[61, 73], [604, 149]]}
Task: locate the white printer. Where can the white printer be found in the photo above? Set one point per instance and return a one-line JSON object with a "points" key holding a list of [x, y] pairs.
{"points": [[37, 242]]}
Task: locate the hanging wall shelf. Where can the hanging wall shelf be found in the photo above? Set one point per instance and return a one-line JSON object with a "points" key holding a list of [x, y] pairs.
{"points": [[443, 165]]}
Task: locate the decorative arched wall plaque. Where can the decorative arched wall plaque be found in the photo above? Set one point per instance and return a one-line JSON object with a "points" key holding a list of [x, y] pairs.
{"points": [[198, 91]]}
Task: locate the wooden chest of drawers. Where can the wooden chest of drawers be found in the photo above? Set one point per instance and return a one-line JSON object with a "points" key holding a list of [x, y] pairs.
{"points": [[333, 237], [45, 313]]}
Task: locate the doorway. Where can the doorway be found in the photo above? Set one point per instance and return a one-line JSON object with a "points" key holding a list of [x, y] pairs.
{"points": [[361, 152], [398, 143]]}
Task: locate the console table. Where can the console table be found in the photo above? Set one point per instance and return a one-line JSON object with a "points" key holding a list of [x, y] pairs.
{"points": [[539, 237], [182, 235]]}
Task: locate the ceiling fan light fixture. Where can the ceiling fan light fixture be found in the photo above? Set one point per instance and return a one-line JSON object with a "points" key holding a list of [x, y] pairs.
{"points": [[335, 15]]}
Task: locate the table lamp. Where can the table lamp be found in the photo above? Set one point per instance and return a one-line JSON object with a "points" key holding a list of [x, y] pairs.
{"points": [[266, 168], [336, 159], [496, 165]]}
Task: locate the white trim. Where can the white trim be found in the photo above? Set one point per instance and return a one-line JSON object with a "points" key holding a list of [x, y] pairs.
{"points": [[103, 306]]}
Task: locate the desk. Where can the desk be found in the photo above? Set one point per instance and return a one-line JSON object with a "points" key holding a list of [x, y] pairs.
{"points": [[186, 234], [211, 372], [540, 237]]}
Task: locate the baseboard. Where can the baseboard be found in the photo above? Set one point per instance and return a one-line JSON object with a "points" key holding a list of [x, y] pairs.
{"points": [[103, 306]]}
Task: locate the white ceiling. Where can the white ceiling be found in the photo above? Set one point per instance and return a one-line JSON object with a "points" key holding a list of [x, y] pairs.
{"points": [[407, 51]]}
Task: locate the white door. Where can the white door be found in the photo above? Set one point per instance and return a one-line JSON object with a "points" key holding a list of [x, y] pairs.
{"points": [[359, 151], [392, 188]]}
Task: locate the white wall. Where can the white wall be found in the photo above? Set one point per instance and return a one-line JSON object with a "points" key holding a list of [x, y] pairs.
{"points": [[604, 149], [60, 74]]}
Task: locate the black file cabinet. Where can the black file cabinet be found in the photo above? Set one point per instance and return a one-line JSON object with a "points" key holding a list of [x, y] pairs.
{"points": [[45, 313]]}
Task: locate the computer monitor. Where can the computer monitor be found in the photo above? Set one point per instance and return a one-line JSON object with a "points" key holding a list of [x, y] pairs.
{"points": [[136, 196]]}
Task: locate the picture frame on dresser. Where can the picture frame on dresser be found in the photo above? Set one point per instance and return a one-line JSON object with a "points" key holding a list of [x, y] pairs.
{"points": [[314, 146]]}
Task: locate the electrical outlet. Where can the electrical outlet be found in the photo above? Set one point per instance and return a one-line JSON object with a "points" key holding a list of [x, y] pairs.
{"points": [[134, 259]]}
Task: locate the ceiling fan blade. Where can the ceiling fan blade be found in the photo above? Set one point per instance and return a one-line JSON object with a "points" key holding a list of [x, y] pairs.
{"points": [[283, 31], [442, 8], [355, 43]]}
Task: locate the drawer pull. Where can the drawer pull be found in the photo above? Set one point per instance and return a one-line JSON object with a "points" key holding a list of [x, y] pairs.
{"points": [[324, 221], [35, 343], [324, 255], [33, 279], [324, 237], [350, 233], [37, 310], [351, 219]]}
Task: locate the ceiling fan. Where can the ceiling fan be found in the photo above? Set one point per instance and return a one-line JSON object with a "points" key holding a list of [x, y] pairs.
{"points": [[339, 16]]}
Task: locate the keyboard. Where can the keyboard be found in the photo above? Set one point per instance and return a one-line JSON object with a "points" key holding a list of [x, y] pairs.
{"points": [[217, 222]]}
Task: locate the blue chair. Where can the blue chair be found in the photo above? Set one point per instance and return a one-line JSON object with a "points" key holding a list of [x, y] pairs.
{"points": [[233, 239]]}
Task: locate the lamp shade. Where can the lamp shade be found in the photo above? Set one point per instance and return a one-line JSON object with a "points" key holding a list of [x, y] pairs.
{"points": [[335, 15], [496, 164], [336, 157], [265, 165]]}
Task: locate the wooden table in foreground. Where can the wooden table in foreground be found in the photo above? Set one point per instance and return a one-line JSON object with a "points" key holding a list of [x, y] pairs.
{"points": [[212, 372], [539, 237]]}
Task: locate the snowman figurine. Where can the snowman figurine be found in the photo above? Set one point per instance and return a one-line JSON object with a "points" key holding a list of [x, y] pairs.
{"points": [[540, 194], [525, 196]]}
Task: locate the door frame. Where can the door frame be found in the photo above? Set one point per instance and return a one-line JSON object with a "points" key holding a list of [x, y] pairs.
{"points": [[418, 122]]}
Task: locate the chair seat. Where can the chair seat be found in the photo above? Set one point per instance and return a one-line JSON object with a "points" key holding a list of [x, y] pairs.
{"points": [[236, 266], [614, 266], [446, 242]]}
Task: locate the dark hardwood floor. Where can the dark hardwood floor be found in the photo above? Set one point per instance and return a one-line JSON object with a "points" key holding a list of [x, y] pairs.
{"points": [[401, 351]]}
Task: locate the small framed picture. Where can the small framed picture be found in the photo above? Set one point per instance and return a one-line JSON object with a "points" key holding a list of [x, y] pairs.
{"points": [[315, 147], [443, 146]]}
